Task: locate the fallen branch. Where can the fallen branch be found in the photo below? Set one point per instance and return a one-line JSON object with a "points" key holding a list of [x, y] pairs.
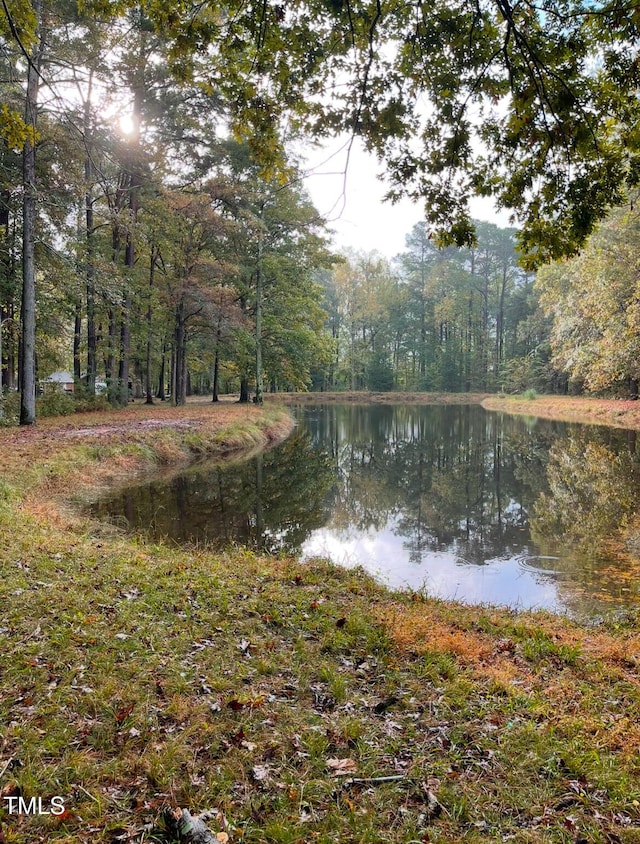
{"points": [[373, 780]]}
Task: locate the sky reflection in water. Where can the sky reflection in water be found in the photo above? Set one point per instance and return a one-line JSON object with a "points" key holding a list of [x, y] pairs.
{"points": [[510, 581]]}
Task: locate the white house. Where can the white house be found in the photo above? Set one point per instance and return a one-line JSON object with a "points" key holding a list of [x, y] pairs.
{"points": [[59, 381]]}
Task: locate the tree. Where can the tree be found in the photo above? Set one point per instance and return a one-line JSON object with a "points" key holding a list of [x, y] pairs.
{"points": [[192, 273], [416, 265], [27, 375], [278, 245], [593, 301]]}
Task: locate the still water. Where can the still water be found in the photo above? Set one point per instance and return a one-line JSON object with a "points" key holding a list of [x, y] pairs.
{"points": [[452, 500]]}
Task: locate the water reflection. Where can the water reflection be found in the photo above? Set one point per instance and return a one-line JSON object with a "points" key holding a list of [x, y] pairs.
{"points": [[467, 504], [271, 502]]}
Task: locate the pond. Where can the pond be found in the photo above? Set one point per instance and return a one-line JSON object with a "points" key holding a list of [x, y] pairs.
{"points": [[451, 500]]}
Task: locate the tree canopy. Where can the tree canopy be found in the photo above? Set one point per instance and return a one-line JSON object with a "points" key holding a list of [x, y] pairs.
{"points": [[533, 103], [593, 302]]}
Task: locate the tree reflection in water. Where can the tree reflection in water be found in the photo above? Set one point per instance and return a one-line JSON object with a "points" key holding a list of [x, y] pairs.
{"points": [[536, 502], [477, 505], [244, 502]]}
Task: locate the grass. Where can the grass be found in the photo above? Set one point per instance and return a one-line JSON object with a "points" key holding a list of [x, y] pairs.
{"points": [[137, 676], [615, 413], [368, 397]]}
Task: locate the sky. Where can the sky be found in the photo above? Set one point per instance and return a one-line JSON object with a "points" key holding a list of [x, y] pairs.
{"points": [[357, 215]]}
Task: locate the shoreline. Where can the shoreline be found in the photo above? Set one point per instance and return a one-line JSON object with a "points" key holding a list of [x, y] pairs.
{"points": [[615, 413], [367, 397]]}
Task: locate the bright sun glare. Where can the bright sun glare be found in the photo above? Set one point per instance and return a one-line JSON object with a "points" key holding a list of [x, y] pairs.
{"points": [[127, 125]]}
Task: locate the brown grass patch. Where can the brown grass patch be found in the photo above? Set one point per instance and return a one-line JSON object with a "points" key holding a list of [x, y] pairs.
{"points": [[417, 630], [615, 413]]}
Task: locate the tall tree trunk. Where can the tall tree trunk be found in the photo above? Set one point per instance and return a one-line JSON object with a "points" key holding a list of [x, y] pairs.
{"points": [[161, 394], [216, 363], [422, 351], [244, 389], [125, 343], [92, 339], [149, 320], [485, 332], [179, 367], [29, 212], [216, 378], [500, 322], [113, 385], [172, 372], [77, 338], [110, 362], [258, 398], [132, 181], [125, 321]]}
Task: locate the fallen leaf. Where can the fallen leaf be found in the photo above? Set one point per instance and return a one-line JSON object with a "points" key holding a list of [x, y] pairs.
{"points": [[571, 823], [123, 713], [342, 767], [385, 704], [260, 773], [238, 738], [222, 837]]}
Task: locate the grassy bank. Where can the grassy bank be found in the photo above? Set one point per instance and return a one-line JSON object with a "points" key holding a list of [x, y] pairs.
{"points": [[298, 703], [366, 397], [616, 413]]}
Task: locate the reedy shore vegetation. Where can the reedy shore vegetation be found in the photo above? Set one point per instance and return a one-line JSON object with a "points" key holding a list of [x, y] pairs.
{"points": [[297, 702]]}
